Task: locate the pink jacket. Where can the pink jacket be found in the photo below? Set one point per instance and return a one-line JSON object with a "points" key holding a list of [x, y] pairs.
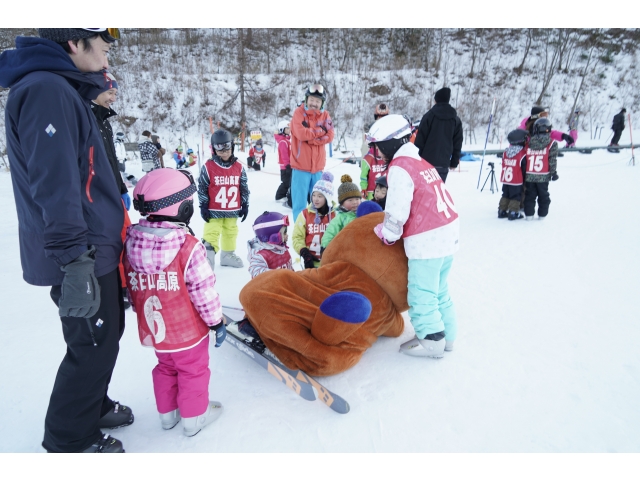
{"points": [[152, 246], [555, 134], [284, 150]]}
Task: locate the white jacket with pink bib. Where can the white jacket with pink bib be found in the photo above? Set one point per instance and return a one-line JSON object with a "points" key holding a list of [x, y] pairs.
{"points": [[419, 208]]}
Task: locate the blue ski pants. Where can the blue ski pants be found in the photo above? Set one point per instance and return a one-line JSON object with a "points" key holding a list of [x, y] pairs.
{"points": [[430, 307], [302, 184]]}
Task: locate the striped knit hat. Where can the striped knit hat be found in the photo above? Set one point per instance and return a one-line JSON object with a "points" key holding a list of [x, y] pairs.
{"points": [[325, 187], [347, 189]]}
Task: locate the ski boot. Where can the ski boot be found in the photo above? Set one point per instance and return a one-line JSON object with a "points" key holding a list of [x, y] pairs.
{"points": [[120, 416], [515, 215], [211, 254], [528, 218], [433, 345], [230, 259], [170, 419], [105, 444], [193, 425], [502, 213]]}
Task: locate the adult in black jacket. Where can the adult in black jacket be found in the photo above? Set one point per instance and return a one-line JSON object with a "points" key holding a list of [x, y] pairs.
{"points": [[617, 126], [439, 137], [70, 218], [101, 100]]}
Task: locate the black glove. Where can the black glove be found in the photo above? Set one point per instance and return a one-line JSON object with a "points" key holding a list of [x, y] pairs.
{"points": [[568, 138], [305, 124], [323, 128], [244, 211], [308, 258], [80, 289], [554, 177], [221, 333], [205, 213]]}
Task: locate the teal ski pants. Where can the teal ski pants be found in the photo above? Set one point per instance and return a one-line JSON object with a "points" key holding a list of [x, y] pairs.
{"points": [[430, 307]]}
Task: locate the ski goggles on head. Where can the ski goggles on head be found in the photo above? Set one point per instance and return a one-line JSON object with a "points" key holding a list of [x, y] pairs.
{"points": [[316, 88], [221, 147], [274, 223], [112, 32]]}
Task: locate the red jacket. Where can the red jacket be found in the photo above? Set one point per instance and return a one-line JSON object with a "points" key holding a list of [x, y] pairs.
{"points": [[308, 143]]}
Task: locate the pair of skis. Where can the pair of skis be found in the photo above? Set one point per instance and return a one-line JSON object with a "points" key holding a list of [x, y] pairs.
{"points": [[296, 380]]}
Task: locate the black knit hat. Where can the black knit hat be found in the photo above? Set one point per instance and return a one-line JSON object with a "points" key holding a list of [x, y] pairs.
{"points": [[61, 35], [443, 95], [537, 110]]}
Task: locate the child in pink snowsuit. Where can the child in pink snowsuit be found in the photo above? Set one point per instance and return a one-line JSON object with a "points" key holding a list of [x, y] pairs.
{"points": [[543, 112], [171, 288]]}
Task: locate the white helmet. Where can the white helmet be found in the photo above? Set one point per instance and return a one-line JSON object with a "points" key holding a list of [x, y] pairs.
{"points": [[282, 125], [388, 127], [389, 133]]}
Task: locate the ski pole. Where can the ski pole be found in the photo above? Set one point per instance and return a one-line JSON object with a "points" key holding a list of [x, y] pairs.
{"points": [[493, 106], [633, 158]]}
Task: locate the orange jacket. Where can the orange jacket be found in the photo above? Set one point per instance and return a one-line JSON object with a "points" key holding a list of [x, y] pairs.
{"points": [[307, 143]]}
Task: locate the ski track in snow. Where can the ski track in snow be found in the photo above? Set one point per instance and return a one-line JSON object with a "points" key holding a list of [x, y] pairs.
{"points": [[546, 358]]}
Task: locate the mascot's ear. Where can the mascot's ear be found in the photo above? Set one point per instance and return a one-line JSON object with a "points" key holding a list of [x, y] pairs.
{"points": [[367, 207]]}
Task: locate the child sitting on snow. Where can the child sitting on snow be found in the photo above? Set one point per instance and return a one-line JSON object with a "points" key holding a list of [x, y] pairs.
{"points": [[512, 175], [172, 290], [349, 196], [380, 193], [313, 220], [268, 250]]}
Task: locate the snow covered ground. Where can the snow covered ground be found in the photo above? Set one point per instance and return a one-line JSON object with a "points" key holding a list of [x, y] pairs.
{"points": [[547, 358]]}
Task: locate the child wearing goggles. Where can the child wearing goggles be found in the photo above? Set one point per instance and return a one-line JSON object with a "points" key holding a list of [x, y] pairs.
{"points": [[224, 197], [268, 250]]}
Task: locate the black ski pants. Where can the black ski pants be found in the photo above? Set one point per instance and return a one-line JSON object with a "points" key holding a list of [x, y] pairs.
{"points": [[443, 171], [616, 136], [539, 191], [284, 190], [79, 397]]}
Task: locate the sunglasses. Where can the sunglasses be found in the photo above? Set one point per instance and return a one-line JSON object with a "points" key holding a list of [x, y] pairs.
{"points": [[113, 32], [317, 88], [221, 147]]}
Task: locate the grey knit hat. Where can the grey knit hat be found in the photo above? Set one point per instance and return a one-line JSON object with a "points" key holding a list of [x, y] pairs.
{"points": [[61, 35]]}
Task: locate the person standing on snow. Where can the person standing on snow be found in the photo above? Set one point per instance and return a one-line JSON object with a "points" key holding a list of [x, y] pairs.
{"points": [[148, 153], [543, 112], [617, 126], [311, 130], [541, 166], [420, 211], [372, 167], [155, 139], [70, 217], [284, 160], [439, 137]]}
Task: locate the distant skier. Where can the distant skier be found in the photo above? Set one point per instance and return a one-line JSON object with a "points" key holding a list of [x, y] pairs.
{"points": [[512, 175], [542, 153], [543, 112], [179, 158], [257, 156], [172, 290], [284, 160], [148, 153], [617, 126]]}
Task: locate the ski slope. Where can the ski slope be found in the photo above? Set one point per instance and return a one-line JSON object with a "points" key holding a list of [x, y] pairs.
{"points": [[547, 357]]}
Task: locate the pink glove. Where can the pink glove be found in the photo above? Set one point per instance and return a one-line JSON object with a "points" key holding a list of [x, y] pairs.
{"points": [[378, 231]]}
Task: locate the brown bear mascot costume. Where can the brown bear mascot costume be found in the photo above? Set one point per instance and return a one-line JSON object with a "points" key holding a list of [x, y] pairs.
{"points": [[317, 320]]}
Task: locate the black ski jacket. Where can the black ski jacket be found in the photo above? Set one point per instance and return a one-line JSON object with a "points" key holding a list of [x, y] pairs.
{"points": [[618, 122], [439, 137], [102, 114]]}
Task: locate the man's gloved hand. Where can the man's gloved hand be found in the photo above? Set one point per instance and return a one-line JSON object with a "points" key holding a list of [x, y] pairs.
{"points": [[378, 231], [305, 124], [221, 333], [127, 200], [80, 295], [554, 177], [244, 211], [568, 138], [205, 213], [308, 258]]}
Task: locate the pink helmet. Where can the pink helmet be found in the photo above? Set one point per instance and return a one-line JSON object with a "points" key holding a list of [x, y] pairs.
{"points": [[165, 192]]}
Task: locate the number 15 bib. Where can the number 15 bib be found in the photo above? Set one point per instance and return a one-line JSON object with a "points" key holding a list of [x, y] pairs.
{"points": [[224, 187]]}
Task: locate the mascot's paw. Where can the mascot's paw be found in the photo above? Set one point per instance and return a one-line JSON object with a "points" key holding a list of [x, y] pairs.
{"points": [[339, 316]]}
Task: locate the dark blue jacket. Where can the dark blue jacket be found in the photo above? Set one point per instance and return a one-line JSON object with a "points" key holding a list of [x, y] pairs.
{"points": [[66, 194]]}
